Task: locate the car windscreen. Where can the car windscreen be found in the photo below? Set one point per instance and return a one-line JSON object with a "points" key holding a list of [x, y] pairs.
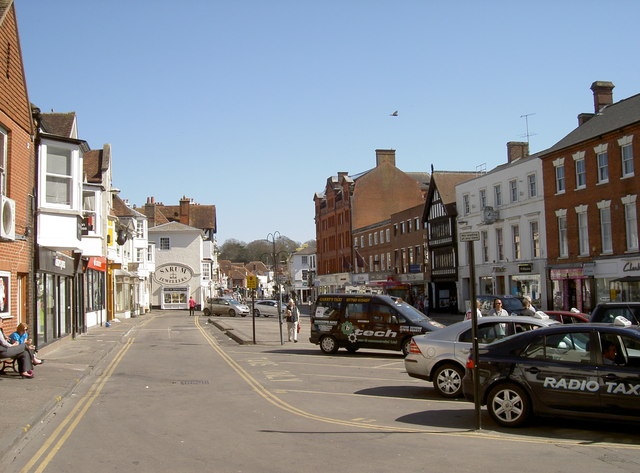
{"points": [[410, 312], [510, 304]]}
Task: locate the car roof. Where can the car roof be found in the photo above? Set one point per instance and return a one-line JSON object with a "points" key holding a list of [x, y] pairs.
{"points": [[466, 324], [619, 304]]}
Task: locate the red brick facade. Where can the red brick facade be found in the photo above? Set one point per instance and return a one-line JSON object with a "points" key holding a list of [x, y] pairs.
{"points": [[16, 257]]}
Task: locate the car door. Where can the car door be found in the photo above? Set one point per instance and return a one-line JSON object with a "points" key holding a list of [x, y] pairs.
{"points": [[560, 372], [620, 379]]}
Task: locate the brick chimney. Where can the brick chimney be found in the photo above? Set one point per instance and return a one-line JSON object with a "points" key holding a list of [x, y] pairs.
{"points": [[584, 118], [517, 150], [184, 210], [385, 156], [602, 94]]}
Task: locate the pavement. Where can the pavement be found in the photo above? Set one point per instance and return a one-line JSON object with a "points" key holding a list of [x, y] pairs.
{"points": [[25, 403]]}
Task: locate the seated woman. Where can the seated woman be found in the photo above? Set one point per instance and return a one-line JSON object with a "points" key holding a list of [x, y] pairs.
{"points": [[22, 336], [19, 352]]}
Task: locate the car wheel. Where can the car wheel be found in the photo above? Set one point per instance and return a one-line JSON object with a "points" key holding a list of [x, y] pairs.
{"points": [[328, 344], [232, 312], [256, 312], [447, 380], [509, 405], [406, 346], [206, 312]]}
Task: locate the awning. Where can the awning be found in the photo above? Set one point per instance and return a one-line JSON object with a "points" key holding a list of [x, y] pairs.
{"points": [[628, 279]]}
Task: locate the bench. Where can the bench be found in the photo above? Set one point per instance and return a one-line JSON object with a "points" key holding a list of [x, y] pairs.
{"points": [[8, 363]]}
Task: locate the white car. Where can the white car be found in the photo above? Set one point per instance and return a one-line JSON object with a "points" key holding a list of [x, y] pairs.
{"points": [[440, 356], [267, 308]]}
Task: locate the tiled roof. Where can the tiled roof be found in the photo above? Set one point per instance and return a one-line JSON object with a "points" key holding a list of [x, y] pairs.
{"points": [[120, 209], [92, 164], [59, 124], [172, 227], [446, 181], [4, 8], [613, 117]]}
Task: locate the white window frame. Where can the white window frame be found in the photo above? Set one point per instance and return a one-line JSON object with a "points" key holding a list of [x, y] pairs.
{"points": [[563, 242], [388, 232], [513, 190], [466, 205], [581, 169], [484, 241], [206, 270], [630, 222], [483, 198], [4, 141], [534, 228], [515, 242], [558, 164], [73, 199], [164, 243], [95, 212], [532, 185], [499, 245], [606, 234], [497, 195], [602, 163], [626, 155], [583, 230]]}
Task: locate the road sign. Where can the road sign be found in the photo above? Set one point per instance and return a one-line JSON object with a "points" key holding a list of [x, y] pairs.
{"points": [[252, 282], [470, 236]]}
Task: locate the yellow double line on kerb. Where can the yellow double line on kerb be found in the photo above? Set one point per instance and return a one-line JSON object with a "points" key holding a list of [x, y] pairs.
{"points": [[75, 416]]}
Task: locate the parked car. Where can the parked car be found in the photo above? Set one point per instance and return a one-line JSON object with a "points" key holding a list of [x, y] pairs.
{"points": [[567, 317], [513, 305], [562, 370], [266, 308], [224, 306], [606, 312], [440, 356]]}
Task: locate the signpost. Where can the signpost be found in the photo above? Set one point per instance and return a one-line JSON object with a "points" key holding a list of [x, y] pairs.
{"points": [[470, 237], [252, 283]]}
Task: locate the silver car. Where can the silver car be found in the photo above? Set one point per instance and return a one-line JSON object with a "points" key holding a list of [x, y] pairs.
{"points": [[440, 356], [224, 306], [267, 308]]}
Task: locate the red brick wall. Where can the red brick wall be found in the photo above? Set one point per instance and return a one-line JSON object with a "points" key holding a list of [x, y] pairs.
{"points": [[590, 195], [16, 257]]}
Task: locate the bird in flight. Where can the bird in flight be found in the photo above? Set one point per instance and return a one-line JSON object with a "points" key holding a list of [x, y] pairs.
{"points": [[394, 114]]}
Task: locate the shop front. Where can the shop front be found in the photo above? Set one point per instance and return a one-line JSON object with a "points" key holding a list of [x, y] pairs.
{"points": [[175, 284], [617, 279], [55, 297], [95, 290], [572, 287], [333, 283]]}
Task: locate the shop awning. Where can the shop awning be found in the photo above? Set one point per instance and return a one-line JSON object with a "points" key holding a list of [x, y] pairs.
{"points": [[628, 279]]}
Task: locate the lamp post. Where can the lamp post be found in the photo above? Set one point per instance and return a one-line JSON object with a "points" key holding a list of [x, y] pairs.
{"points": [[272, 238]]}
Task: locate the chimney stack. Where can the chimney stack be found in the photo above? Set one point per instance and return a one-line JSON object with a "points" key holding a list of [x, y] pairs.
{"points": [[602, 94], [385, 156], [184, 210], [517, 150]]}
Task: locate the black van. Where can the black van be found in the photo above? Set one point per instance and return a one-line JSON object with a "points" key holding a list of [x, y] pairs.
{"points": [[355, 321]]}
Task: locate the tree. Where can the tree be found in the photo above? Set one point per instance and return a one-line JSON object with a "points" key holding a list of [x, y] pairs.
{"points": [[233, 250]]}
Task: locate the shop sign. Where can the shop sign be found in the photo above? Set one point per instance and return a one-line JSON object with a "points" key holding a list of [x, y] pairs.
{"points": [[99, 263], [631, 266], [173, 273], [525, 268], [55, 262]]}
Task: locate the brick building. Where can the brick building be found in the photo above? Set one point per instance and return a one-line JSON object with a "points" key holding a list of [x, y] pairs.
{"points": [[353, 218], [591, 183], [17, 180]]}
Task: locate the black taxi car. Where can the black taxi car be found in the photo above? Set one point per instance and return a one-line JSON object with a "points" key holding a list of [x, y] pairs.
{"points": [[578, 370]]}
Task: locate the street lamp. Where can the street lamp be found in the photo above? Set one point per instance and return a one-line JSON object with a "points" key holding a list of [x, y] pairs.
{"points": [[272, 238]]}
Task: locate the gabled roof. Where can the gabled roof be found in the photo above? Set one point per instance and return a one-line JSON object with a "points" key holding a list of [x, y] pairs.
{"points": [[95, 163], [173, 227], [612, 117], [446, 181], [120, 209], [4, 8], [59, 124]]}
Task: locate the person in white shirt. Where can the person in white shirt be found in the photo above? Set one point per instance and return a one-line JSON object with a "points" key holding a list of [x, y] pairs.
{"points": [[497, 309], [478, 311]]}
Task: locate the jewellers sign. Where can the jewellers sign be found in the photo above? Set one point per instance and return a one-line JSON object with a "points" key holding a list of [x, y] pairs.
{"points": [[173, 274]]}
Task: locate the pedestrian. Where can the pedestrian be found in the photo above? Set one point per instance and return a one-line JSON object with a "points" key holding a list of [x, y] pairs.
{"points": [[528, 308], [528, 298], [497, 309], [192, 306], [478, 311], [21, 335], [293, 318], [19, 352]]}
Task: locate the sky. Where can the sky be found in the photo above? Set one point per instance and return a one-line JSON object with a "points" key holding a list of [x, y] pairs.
{"points": [[251, 105]]}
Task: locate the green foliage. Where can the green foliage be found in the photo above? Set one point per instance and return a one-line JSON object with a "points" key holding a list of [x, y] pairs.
{"points": [[258, 250]]}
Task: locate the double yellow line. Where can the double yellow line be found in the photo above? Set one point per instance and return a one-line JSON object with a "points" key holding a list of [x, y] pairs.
{"points": [[66, 428]]}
